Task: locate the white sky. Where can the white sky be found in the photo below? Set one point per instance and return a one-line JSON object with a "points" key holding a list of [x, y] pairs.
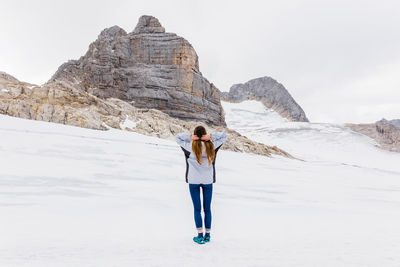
{"points": [[339, 59]]}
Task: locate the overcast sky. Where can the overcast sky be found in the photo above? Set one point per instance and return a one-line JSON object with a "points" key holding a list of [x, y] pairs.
{"points": [[340, 60]]}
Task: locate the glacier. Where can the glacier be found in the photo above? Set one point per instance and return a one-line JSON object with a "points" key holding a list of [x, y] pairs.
{"points": [[71, 196]]}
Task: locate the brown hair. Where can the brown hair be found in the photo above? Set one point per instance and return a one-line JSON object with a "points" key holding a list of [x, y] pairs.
{"points": [[197, 146]]}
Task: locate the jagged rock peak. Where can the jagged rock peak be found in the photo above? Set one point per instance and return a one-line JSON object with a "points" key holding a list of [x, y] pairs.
{"points": [[269, 92], [149, 24], [112, 32]]}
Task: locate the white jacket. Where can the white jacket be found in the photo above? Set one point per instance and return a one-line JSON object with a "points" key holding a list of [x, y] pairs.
{"points": [[199, 173]]}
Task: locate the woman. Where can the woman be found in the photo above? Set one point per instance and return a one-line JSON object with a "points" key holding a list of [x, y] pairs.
{"points": [[200, 152]]}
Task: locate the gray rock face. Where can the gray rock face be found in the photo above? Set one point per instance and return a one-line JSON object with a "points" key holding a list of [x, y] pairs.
{"points": [[395, 123], [269, 92], [148, 24], [386, 133], [390, 131], [148, 68]]}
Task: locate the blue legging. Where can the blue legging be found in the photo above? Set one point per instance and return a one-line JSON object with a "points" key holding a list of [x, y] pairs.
{"points": [[207, 194]]}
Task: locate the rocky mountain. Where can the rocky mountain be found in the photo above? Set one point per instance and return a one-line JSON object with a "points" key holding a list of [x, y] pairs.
{"points": [[60, 101], [385, 132], [149, 68], [269, 92], [147, 78]]}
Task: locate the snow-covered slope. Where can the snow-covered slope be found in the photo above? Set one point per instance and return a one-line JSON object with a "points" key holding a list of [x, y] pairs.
{"points": [[77, 197], [314, 142]]}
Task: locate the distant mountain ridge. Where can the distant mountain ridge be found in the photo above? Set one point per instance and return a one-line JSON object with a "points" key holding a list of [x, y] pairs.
{"points": [[269, 92], [385, 132]]}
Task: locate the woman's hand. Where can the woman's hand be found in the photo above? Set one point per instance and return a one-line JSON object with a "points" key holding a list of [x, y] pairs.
{"points": [[194, 137], [206, 137]]}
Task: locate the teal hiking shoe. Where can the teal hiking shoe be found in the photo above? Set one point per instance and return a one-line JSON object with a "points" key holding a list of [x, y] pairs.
{"points": [[199, 240], [206, 239]]}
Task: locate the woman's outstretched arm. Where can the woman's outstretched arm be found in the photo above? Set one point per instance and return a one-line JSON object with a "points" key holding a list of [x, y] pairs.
{"points": [[184, 140], [218, 138]]}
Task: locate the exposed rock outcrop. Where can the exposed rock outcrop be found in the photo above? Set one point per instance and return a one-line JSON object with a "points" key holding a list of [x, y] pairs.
{"points": [[7, 77], [148, 68], [60, 102], [391, 123], [269, 92], [386, 133]]}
